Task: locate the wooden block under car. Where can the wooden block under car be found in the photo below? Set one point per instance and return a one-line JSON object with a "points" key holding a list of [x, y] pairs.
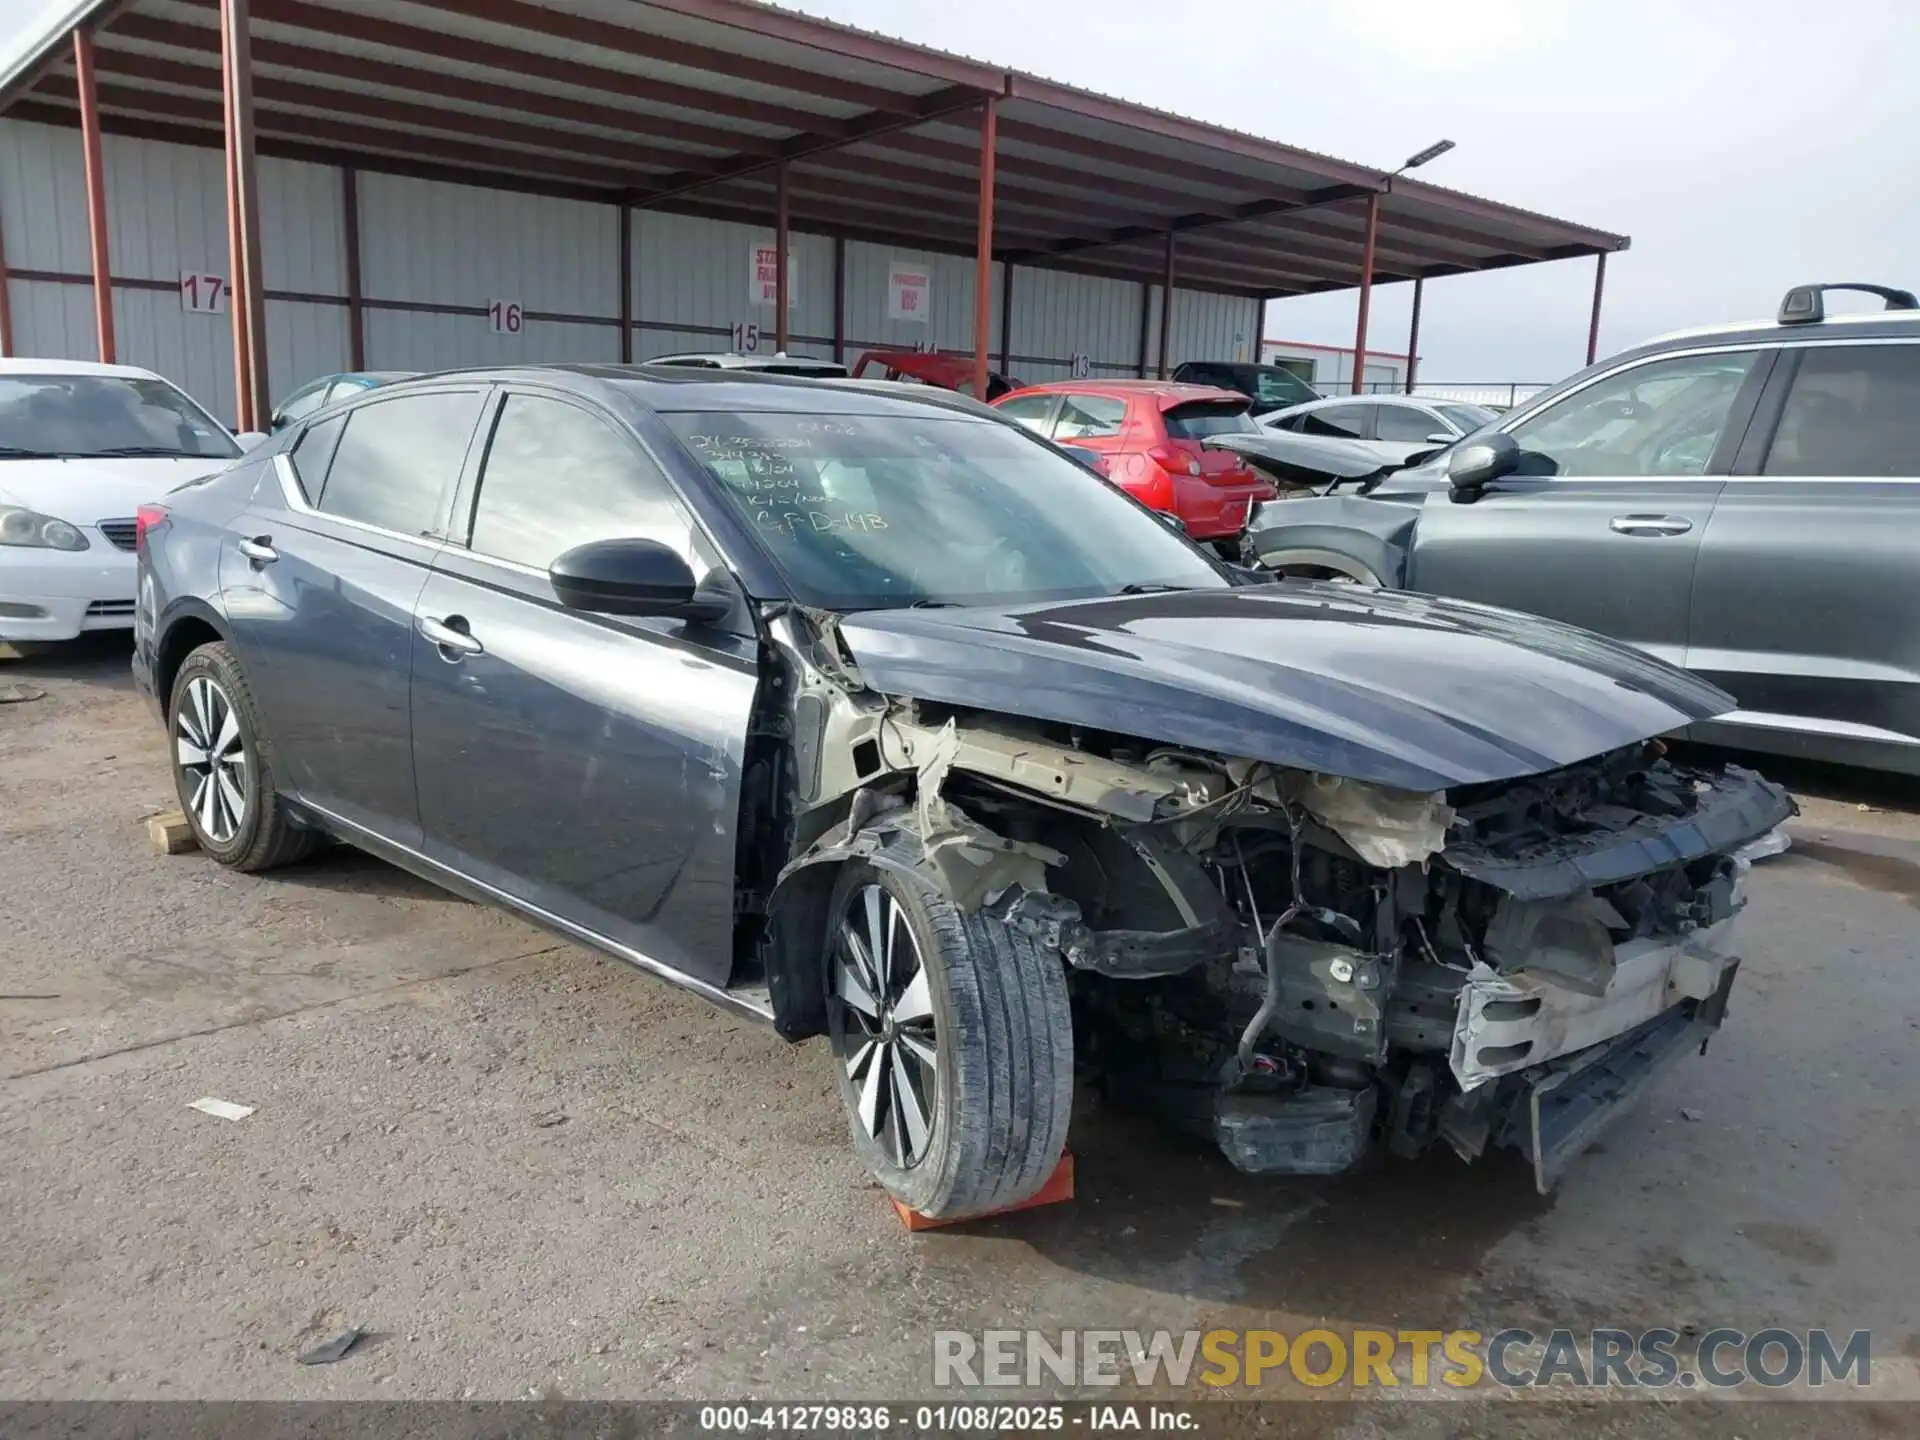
{"points": [[170, 833], [1059, 1188]]}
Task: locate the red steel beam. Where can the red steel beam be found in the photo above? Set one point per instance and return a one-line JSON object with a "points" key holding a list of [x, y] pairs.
{"points": [[1599, 289], [1166, 306], [1006, 317], [840, 298], [983, 251], [243, 419], [781, 239], [252, 309], [96, 192], [626, 283], [1366, 296]]}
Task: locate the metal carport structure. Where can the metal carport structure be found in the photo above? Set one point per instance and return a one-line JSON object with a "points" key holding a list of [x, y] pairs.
{"points": [[735, 111]]}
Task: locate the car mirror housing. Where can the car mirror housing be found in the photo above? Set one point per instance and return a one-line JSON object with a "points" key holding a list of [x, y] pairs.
{"points": [[1478, 463], [630, 577]]}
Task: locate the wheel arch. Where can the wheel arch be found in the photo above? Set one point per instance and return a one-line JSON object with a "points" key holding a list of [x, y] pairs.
{"points": [[188, 625]]}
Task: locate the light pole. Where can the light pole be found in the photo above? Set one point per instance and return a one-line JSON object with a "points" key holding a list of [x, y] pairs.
{"points": [[1412, 162]]}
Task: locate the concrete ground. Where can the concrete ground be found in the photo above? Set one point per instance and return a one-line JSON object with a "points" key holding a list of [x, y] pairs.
{"points": [[528, 1171]]}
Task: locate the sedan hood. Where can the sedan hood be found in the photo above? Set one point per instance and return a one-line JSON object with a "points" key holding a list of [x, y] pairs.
{"points": [[84, 491], [1412, 691]]}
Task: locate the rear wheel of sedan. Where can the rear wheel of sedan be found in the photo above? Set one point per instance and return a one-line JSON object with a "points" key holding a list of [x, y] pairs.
{"points": [[953, 1044], [220, 768]]}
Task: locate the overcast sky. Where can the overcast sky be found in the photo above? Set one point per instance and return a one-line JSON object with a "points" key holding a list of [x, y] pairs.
{"points": [[1745, 145]]}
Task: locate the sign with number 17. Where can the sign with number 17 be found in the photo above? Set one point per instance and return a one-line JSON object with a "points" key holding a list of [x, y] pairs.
{"points": [[203, 294]]}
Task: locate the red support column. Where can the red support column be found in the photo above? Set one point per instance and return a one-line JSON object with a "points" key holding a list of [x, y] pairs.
{"points": [[1413, 335], [780, 243], [840, 299], [1166, 308], [983, 257], [96, 192], [1599, 288], [1146, 321], [626, 283], [236, 322], [1366, 295], [356, 302], [243, 204]]}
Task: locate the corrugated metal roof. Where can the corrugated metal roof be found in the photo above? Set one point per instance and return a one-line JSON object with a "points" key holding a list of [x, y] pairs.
{"points": [[688, 105]]}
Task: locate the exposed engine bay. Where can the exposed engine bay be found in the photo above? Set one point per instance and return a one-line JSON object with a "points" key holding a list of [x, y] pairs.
{"points": [[1294, 965]]}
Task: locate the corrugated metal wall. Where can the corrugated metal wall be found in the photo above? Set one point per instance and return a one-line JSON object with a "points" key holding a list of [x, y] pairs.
{"points": [[444, 252]]}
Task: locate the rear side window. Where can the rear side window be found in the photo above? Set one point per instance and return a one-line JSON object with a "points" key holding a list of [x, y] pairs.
{"points": [[398, 458], [312, 453], [302, 403], [1082, 416], [557, 476], [1346, 422], [1854, 410], [1198, 419]]}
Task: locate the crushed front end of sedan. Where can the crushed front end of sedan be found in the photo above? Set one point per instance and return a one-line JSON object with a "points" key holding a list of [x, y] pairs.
{"points": [[1298, 961]]}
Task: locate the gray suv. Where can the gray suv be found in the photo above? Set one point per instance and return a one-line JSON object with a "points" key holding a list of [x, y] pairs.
{"points": [[1744, 501]]}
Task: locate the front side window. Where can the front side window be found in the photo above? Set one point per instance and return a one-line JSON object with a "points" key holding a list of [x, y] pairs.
{"points": [[1661, 418], [398, 458], [1082, 416], [1407, 424], [1854, 410], [556, 476], [82, 417], [1344, 422], [879, 511]]}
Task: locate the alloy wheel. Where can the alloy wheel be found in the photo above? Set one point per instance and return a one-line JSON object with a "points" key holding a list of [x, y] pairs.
{"points": [[212, 753], [885, 1034]]}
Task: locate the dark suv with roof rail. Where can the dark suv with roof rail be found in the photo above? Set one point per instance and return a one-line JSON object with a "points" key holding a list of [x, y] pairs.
{"points": [[1742, 500]]}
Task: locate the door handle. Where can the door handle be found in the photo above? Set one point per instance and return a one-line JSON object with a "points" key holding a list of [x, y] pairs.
{"points": [[1651, 525], [260, 550], [451, 635]]}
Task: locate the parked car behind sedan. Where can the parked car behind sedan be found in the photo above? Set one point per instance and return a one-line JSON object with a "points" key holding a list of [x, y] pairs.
{"points": [[1267, 387], [930, 367], [1150, 431], [1393, 427], [1742, 500], [327, 390], [877, 718], [81, 447]]}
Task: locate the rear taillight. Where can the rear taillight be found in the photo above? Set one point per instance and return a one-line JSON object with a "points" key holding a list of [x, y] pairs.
{"points": [[144, 519], [1174, 462]]}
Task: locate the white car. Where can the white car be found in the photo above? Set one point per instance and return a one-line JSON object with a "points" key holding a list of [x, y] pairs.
{"points": [[1390, 426], [82, 446]]}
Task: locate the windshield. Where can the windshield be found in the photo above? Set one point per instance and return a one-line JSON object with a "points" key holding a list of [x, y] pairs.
{"points": [[70, 417], [880, 511], [1468, 417], [1274, 386]]}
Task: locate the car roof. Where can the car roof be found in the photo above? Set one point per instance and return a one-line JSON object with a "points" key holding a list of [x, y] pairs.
{"points": [[735, 360], [1418, 402], [1168, 392], [27, 365]]}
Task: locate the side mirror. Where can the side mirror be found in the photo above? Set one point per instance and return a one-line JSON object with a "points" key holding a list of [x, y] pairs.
{"points": [[247, 439], [1478, 463], [632, 577]]}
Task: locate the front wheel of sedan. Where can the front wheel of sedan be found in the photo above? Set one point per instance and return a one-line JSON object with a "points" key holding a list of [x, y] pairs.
{"points": [[953, 1045], [220, 769]]}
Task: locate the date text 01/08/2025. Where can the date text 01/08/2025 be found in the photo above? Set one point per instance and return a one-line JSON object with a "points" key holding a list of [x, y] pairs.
{"points": [[951, 1419]]}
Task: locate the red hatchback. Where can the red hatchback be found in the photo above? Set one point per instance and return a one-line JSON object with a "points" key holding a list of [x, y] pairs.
{"points": [[1149, 434]]}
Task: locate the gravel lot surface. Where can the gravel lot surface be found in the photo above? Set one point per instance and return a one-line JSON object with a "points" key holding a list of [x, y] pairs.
{"points": [[528, 1171]]}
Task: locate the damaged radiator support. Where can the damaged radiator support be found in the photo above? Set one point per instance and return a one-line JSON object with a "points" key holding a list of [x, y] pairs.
{"points": [[1300, 966]]}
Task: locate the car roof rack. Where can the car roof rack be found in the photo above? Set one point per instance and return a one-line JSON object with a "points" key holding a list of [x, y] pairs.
{"points": [[1806, 304]]}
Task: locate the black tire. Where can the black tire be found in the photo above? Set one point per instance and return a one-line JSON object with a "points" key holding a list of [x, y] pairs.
{"points": [[1004, 1053], [263, 835]]}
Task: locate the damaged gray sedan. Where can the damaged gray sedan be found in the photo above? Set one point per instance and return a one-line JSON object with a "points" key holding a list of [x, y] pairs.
{"points": [[879, 719]]}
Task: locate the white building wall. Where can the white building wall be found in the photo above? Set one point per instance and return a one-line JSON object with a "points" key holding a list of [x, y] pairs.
{"points": [[692, 283], [949, 323], [1057, 316]]}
